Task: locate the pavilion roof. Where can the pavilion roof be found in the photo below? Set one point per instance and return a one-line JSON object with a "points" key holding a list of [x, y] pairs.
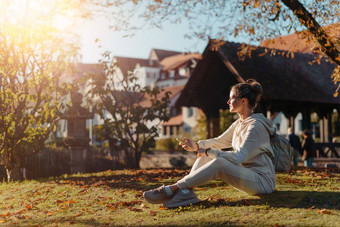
{"points": [[284, 79]]}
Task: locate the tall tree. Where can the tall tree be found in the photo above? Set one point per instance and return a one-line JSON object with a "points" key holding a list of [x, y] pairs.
{"points": [[131, 114], [32, 60]]}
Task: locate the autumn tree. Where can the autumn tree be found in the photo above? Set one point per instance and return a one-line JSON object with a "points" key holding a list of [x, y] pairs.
{"points": [[32, 60], [131, 113], [252, 21]]}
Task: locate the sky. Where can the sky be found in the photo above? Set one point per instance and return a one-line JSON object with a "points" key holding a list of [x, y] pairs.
{"points": [[171, 37], [138, 46]]}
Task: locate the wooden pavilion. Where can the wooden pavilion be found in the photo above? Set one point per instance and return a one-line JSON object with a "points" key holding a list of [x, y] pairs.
{"points": [[290, 84]]}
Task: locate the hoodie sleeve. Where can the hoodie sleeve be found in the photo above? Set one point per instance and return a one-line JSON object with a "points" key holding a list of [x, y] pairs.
{"points": [[220, 142], [249, 148]]}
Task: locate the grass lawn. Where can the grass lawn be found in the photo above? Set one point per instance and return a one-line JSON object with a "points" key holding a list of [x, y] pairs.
{"points": [[302, 198]]}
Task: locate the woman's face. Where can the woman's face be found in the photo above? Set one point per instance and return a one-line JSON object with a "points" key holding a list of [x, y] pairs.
{"points": [[235, 103]]}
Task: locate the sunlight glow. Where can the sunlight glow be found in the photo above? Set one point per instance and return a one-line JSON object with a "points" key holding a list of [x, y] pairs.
{"points": [[54, 13]]}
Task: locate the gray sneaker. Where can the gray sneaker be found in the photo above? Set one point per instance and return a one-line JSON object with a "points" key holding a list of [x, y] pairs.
{"points": [[182, 199], [157, 195]]}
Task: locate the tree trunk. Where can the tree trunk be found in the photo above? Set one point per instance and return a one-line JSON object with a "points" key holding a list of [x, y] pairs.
{"points": [[307, 19], [138, 156]]}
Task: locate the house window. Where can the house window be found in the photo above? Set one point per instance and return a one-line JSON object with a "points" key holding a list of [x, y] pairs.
{"points": [[172, 73], [164, 130], [171, 130], [278, 126], [190, 112]]}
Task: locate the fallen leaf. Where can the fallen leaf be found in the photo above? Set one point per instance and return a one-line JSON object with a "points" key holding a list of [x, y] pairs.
{"points": [[20, 211], [5, 215], [152, 213], [324, 211], [77, 215], [312, 207]]}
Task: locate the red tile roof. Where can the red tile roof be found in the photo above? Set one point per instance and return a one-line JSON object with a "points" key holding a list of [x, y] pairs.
{"points": [[176, 120], [175, 61], [296, 43], [173, 90], [126, 64], [161, 54]]}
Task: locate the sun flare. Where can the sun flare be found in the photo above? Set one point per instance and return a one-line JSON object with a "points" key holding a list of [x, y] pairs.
{"points": [[55, 13]]}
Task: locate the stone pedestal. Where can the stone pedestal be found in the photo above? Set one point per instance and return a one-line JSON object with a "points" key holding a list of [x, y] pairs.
{"points": [[77, 139]]}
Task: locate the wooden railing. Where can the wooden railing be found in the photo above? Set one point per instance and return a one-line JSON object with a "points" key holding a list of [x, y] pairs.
{"points": [[327, 150]]}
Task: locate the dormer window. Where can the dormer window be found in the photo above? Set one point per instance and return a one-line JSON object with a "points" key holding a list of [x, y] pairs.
{"points": [[171, 73]]}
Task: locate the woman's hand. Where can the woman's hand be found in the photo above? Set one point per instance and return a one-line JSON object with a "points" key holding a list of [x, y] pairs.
{"points": [[188, 144]]}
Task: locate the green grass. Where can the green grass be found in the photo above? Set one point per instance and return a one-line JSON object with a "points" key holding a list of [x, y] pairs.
{"points": [[302, 198]]}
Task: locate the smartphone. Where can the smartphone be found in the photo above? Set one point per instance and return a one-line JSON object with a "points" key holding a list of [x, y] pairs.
{"points": [[183, 141]]}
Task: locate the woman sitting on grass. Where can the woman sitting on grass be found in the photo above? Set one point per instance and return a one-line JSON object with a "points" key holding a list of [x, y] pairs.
{"points": [[247, 167]]}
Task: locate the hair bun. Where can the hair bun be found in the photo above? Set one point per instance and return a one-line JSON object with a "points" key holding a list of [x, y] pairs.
{"points": [[255, 86]]}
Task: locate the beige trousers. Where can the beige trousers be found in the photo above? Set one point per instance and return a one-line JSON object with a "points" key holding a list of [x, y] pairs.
{"points": [[241, 178]]}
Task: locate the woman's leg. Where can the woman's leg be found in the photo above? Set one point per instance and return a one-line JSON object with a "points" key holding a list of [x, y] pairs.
{"points": [[199, 163], [239, 177]]}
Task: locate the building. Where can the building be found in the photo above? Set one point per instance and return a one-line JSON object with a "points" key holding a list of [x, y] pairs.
{"points": [[291, 86], [301, 42]]}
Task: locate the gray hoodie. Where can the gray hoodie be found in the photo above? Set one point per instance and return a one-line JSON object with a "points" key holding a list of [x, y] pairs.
{"points": [[250, 141]]}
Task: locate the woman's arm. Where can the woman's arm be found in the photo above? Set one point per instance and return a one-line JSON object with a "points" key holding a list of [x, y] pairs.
{"points": [[253, 143], [220, 142]]}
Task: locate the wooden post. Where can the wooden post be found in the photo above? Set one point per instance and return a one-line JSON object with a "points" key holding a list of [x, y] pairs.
{"points": [[330, 128], [325, 125], [291, 122], [321, 128], [213, 123]]}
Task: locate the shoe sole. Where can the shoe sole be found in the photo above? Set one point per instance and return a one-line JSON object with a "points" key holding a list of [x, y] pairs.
{"points": [[155, 201], [184, 203]]}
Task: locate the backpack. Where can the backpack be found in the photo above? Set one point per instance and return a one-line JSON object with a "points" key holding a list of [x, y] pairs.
{"points": [[283, 152]]}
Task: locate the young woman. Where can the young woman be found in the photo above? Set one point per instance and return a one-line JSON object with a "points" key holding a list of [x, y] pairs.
{"points": [[247, 167]]}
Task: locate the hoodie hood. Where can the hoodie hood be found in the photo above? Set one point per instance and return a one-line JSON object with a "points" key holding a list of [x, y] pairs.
{"points": [[265, 121]]}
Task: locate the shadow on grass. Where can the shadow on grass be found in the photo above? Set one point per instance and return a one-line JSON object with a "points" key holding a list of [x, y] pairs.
{"points": [[130, 179], [283, 199], [143, 180]]}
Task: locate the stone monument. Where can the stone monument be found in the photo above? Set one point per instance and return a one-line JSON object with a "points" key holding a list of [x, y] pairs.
{"points": [[77, 138]]}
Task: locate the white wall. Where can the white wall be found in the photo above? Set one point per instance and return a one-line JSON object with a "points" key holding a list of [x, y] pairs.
{"points": [[283, 122]]}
